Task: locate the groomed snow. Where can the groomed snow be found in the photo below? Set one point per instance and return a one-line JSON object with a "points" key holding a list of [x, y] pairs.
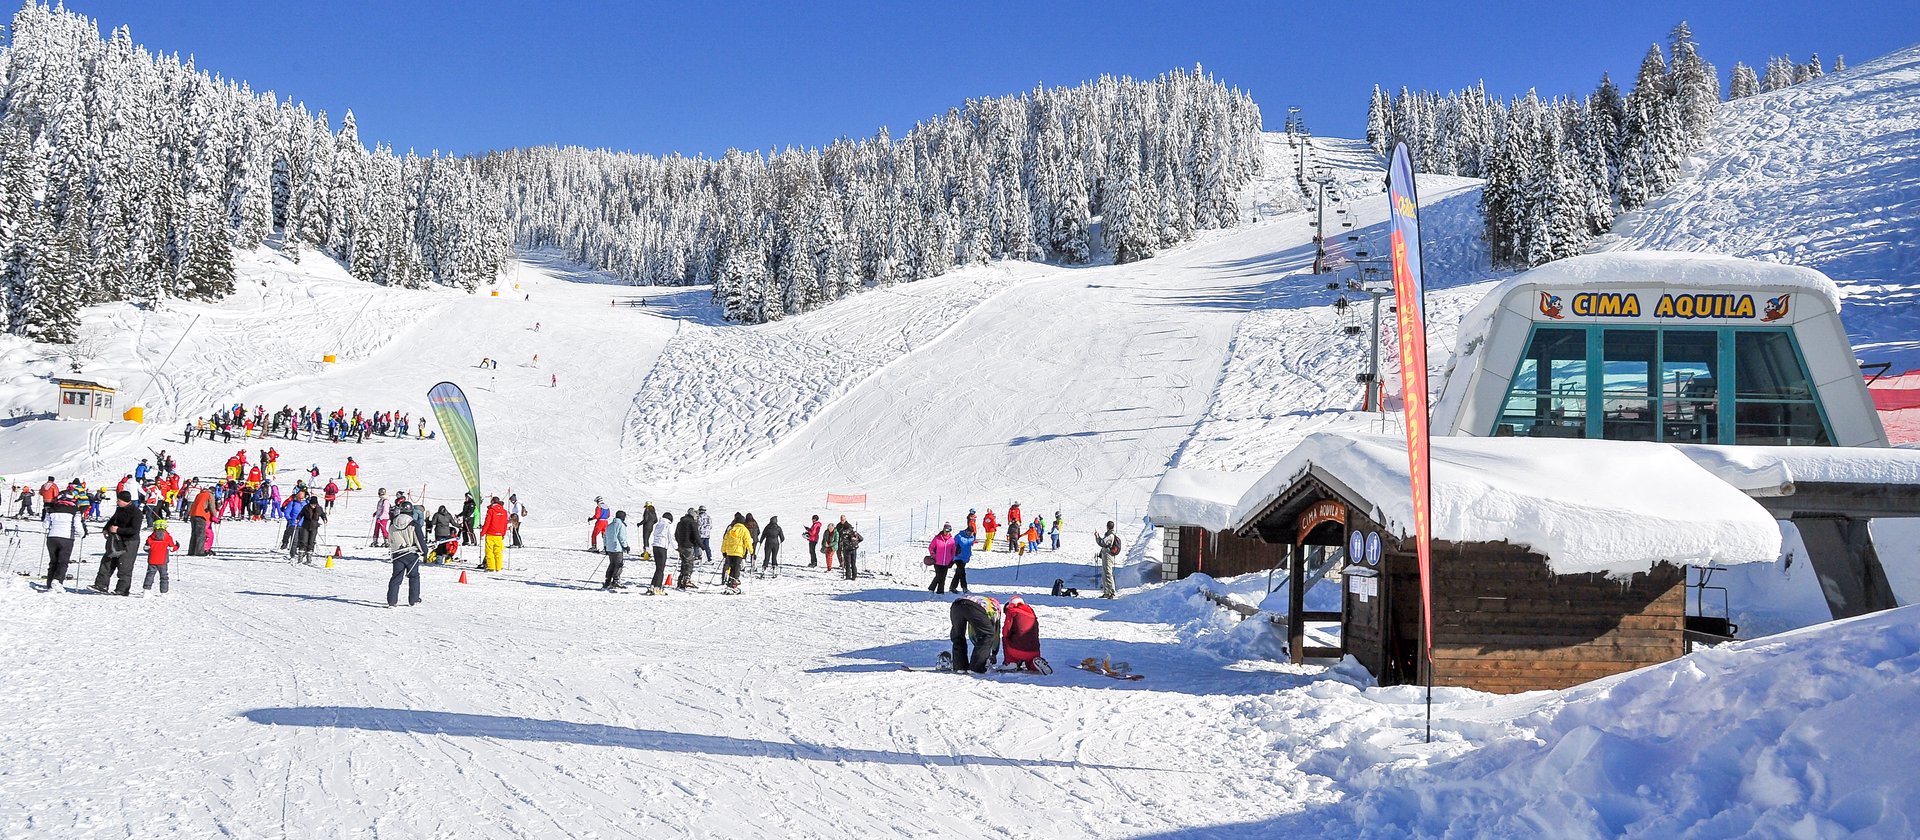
{"points": [[1614, 507]]}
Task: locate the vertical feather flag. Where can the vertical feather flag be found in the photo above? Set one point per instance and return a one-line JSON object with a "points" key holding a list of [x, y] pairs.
{"points": [[450, 408], [1403, 228]]}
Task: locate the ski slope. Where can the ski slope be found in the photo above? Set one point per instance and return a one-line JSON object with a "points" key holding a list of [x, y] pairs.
{"points": [[263, 699], [1822, 175]]}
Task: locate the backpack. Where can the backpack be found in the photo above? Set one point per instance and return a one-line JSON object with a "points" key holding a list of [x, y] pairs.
{"points": [[1113, 548]]}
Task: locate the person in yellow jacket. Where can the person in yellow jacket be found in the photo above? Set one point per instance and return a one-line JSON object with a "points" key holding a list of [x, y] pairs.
{"points": [[735, 545]]}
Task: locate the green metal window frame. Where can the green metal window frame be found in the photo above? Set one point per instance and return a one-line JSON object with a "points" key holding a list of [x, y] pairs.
{"points": [[1725, 377]]}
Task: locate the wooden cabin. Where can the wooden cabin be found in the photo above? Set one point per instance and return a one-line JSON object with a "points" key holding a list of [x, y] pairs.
{"points": [[1555, 562], [1503, 620]]}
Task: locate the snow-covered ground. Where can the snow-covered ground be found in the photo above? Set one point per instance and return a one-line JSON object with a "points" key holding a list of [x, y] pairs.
{"points": [[266, 699]]}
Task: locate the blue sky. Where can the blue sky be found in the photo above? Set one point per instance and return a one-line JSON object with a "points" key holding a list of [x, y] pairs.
{"points": [[703, 77]]}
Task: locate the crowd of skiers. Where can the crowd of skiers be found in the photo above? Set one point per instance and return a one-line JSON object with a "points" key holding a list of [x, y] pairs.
{"points": [[339, 425], [949, 552], [744, 543]]}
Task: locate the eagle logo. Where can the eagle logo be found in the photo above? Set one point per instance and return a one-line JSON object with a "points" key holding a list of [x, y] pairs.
{"points": [[1550, 306], [1776, 308]]}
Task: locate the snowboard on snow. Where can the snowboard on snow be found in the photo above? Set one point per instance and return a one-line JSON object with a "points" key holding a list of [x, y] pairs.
{"points": [[1109, 668], [945, 665]]}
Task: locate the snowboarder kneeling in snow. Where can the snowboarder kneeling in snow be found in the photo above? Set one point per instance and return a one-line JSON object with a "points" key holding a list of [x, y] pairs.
{"points": [[975, 617], [1021, 638]]}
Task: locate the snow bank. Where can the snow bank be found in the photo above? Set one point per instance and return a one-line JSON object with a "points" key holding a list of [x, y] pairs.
{"points": [[1781, 737], [1773, 470], [1615, 507], [1203, 498]]}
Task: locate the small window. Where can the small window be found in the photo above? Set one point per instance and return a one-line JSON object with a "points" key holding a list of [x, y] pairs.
{"points": [[1549, 393], [1767, 368], [1689, 390], [73, 398], [1627, 362], [103, 400]]}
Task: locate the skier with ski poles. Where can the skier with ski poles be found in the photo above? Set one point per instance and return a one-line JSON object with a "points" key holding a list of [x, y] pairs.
{"points": [[735, 546], [409, 538], [662, 540], [616, 549], [65, 530], [687, 536]]}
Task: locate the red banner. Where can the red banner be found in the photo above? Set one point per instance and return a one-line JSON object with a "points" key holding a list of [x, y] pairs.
{"points": [[1409, 293], [846, 498]]}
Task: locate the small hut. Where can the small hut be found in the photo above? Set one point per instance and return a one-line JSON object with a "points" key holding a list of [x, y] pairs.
{"points": [[83, 398], [1194, 509], [1555, 562]]}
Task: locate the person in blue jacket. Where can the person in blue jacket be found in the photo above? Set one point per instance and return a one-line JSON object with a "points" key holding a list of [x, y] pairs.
{"points": [[962, 552]]}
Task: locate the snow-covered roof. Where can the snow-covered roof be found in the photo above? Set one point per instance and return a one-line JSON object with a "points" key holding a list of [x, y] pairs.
{"points": [[1616, 507], [78, 379], [1773, 470], [1202, 498]]}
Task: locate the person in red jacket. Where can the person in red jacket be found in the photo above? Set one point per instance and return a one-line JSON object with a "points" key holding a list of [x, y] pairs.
{"points": [[159, 544], [353, 474], [332, 491], [1014, 524], [493, 531], [200, 512], [1020, 639], [599, 520], [992, 526], [813, 541]]}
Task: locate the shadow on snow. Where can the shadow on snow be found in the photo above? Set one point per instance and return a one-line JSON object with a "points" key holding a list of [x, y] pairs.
{"points": [[511, 728]]}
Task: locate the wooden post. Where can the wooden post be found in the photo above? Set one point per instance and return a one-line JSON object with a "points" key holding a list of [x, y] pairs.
{"points": [[1296, 604]]}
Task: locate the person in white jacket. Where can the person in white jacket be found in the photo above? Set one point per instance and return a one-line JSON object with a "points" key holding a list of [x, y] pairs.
{"points": [[662, 545], [65, 529]]}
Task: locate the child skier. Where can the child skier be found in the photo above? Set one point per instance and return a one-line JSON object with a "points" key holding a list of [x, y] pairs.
{"points": [[599, 520], [159, 544]]}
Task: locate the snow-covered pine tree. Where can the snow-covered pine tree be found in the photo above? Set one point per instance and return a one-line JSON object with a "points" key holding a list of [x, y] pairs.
{"points": [[1809, 71], [1696, 86], [1378, 135], [1780, 73], [1654, 140], [1744, 83]]}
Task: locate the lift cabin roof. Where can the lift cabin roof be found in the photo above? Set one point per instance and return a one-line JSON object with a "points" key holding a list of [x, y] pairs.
{"points": [[1655, 290]]}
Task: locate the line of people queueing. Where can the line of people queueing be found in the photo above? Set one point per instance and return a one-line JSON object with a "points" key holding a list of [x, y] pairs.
{"points": [[743, 542]]}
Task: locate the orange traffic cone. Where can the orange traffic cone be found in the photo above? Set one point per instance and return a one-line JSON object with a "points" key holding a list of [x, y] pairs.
{"points": [[463, 575], [669, 580]]}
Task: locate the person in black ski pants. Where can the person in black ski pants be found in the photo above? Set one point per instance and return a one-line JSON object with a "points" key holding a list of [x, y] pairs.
{"points": [[65, 528], [687, 536], [123, 547], [770, 539], [849, 542], [406, 542], [975, 617]]}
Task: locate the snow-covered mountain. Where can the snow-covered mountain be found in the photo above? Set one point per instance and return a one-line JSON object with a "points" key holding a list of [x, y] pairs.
{"points": [[1824, 174]]}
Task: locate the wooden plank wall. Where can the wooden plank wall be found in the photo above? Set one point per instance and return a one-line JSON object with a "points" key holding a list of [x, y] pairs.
{"points": [[1223, 554], [1504, 622]]}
